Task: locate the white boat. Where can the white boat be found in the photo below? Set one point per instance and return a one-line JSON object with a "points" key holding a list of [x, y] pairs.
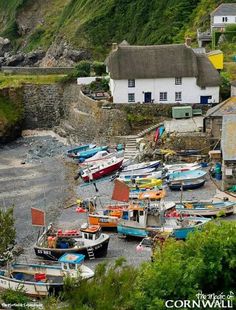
{"points": [[188, 175], [145, 165], [40, 280], [136, 172], [155, 175], [182, 167], [100, 156]]}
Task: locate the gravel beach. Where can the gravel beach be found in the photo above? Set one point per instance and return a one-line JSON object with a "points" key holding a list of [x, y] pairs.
{"points": [[35, 173]]}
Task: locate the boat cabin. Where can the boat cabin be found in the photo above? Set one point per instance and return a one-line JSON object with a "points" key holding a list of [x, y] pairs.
{"points": [[90, 232], [136, 214], [71, 261]]}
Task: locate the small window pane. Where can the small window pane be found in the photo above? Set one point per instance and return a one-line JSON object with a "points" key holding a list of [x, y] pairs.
{"points": [[178, 96], [131, 83], [131, 98], [178, 81], [163, 96]]}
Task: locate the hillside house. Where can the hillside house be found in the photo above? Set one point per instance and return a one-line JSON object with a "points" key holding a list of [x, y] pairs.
{"points": [[233, 89], [223, 16], [161, 74], [228, 146], [214, 117]]}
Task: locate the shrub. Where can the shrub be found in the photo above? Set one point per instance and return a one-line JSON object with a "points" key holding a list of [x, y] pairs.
{"points": [[99, 68]]}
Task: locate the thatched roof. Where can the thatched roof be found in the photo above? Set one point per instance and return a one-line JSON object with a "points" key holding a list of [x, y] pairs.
{"points": [[207, 74], [225, 9], [160, 61]]}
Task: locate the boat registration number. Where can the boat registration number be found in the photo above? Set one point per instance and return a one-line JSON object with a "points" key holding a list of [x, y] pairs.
{"points": [[44, 252]]}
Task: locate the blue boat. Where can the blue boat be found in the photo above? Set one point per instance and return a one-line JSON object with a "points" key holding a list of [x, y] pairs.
{"points": [[186, 185], [81, 156], [186, 175], [73, 152], [206, 208], [141, 222]]}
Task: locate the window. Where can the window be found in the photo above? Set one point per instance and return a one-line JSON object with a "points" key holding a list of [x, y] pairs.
{"points": [[224, 19], [131, 98], [178, 81], [178, 96], [163, 96], [131, 83]]}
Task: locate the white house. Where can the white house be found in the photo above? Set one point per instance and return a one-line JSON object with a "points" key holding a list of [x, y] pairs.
{"points": [[161, 74], [224, 15]]}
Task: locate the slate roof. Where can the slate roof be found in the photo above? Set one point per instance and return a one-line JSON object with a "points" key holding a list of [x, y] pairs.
{"points": [[224, 108], [161, 61], [228, 138], [225, 9]]}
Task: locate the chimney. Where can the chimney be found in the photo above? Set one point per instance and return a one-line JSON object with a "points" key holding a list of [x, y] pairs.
{"points": [[188, 42], [114, 47]]}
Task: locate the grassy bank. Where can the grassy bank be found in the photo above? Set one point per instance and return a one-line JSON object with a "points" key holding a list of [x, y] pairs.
{"points": [[19, 80]]}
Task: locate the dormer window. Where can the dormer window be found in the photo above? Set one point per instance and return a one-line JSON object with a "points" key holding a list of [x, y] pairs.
{"points": [[178, 81], [131, 83], [224, 19]]}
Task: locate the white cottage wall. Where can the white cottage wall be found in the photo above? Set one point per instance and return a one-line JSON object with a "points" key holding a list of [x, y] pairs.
{"points": [[191, 92]]}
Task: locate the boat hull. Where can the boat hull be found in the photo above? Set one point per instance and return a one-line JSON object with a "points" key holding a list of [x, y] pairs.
{"points": [[103, 221], [33, 289], [132, 231], [103, 172], [186, 186], [99, 250]]}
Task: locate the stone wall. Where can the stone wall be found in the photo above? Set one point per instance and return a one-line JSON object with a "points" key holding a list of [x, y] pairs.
{"points": [[72, 114], [43, 105]]}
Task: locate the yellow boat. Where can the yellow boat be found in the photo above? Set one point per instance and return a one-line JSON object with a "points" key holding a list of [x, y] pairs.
{"points": [[144, 183]]}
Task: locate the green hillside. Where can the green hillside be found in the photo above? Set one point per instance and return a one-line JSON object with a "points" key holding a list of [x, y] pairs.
{"points": [[95, 24]]}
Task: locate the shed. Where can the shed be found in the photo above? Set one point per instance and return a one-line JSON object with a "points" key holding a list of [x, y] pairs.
{"points": [[214, 116], [182, 112]]}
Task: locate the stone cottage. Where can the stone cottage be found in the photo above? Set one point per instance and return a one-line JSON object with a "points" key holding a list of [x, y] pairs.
{"points": [[214, 117], [228, 146], [161, 74]]}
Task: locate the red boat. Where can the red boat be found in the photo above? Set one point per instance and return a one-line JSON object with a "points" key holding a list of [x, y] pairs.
{"points": [[102, 169]]}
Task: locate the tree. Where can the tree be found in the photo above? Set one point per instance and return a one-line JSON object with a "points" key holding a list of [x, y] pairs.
{"points": [[111, 288], [82, 69], [204, 262], [7, 232], [99, 68]]}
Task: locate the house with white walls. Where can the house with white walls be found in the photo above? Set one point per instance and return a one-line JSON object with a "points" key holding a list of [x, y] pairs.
{"points": [[161, 74], [223, 16]]}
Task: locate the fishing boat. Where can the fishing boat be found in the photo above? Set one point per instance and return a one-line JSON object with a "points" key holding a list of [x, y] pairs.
{"points": [[91, 243], [101, 169], [73, 152], [81, 156], [143, 183], [142, 221], [145, 165], [206, 209], [107, 218], [186, 184], [41, 280], [186, 175]]}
